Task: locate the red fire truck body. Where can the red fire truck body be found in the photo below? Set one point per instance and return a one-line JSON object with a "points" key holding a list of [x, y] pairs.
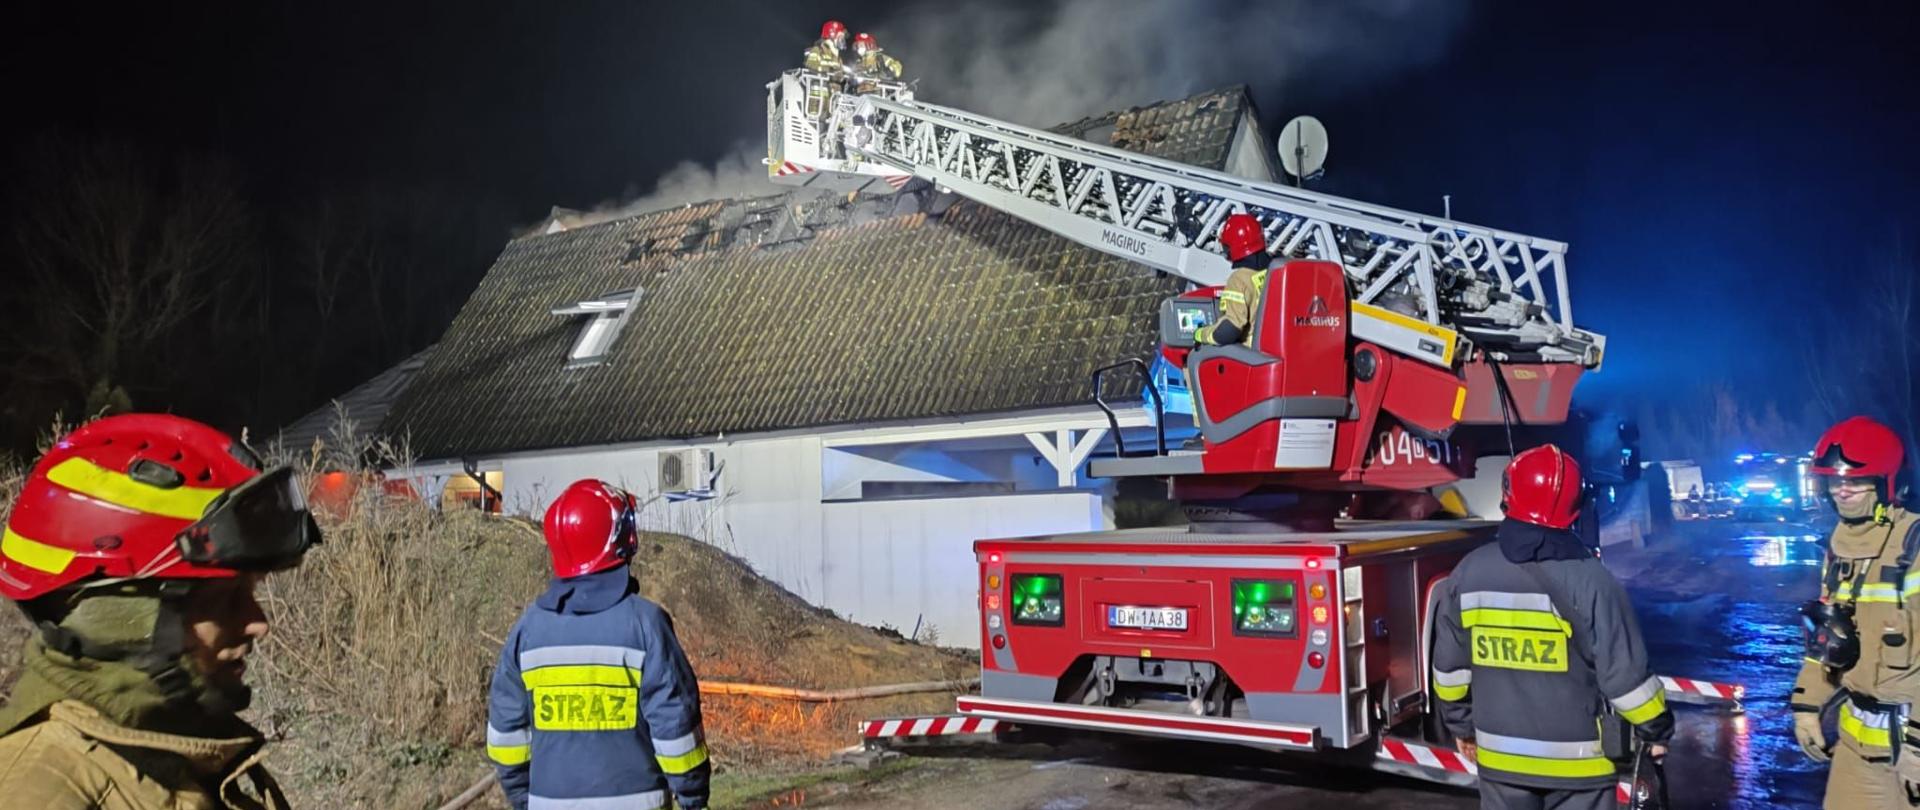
{"points": [[1298, 640]]}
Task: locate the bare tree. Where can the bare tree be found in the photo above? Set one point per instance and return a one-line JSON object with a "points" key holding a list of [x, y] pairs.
{"points": [[119, 254], [1860, 359]]}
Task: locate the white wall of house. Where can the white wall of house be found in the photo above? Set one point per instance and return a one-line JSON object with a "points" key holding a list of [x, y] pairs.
{"points": [[791, 506]]}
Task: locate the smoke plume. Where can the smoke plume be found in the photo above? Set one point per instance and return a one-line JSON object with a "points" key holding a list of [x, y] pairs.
{"points": [[1043, 64]]}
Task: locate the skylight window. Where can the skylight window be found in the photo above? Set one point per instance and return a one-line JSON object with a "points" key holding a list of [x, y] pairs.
{"points": [[605, 317]]}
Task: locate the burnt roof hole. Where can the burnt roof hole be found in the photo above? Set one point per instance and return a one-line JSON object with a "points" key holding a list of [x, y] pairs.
{"points": [[696, 233]]}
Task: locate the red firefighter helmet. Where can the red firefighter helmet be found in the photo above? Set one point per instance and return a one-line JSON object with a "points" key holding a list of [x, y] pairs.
{"points": [[1242, 237], [150, 496], [1862, 448], [833, 31], [1543, 487], [592, 526], [864, 42]]}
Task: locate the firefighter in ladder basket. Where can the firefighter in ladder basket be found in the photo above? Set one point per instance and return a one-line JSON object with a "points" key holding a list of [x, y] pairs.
{"points": [[825, 59], [1527, 630], [1860, 632], [872, 65]]}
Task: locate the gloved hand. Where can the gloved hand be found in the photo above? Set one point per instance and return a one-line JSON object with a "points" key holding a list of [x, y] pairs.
{"points": [[1806, 730]]}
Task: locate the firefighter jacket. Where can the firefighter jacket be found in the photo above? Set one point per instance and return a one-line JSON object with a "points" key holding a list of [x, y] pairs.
{"points": [[876, 66], [1864, 558], [594, 705], [823, 57], [1239, 303], [82, 735], [1530, 684]]}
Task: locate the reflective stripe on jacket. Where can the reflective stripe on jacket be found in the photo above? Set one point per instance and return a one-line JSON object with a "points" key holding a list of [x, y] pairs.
{"points": [[1888, 608], [1239, 304], [1509, 674], [596, 710]]}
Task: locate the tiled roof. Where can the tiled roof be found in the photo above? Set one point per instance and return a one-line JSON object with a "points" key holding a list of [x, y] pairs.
{"points": [[769, 314], [366, 406]]}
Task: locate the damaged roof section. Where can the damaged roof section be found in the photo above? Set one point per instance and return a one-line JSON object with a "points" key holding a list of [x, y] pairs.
{"points": [[784, 311]]}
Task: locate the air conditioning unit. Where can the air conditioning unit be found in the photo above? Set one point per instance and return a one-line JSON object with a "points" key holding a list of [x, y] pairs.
{"points": [[689, 470]]}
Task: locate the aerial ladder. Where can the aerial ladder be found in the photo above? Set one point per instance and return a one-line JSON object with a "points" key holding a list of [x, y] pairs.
{"points": [[1453, 324], [1385, 338]]}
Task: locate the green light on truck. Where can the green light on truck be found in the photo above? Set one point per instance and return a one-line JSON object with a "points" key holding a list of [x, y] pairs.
{"points": [[1263, 607], [1037, 599]]}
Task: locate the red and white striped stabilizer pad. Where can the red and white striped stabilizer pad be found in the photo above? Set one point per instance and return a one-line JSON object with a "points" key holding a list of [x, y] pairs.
{"points": [[789, 167], [940, 726], [1689, 688], [1446, 759], [1426, 756], [898, 180]]}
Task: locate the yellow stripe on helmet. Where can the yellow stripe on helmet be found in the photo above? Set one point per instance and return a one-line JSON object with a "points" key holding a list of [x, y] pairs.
{"points": [[33, 553], [102, 484]]}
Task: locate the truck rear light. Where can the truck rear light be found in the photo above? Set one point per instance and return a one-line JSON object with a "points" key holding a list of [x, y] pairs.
{"points": [[1319, 614], [999, 642], [1037, 599], [993, 557], [1317, 590], [1316, 660], [993, 582], [1263, 608], [993, 601], [1313, 563]]}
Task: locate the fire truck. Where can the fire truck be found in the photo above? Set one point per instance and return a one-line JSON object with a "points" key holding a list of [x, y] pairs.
{"points": [[1393, 351], [1772, 487]]}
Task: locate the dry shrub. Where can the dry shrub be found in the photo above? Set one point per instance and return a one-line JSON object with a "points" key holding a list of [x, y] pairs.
{"points": [[383, 646], [373, 682], [13, 625]]}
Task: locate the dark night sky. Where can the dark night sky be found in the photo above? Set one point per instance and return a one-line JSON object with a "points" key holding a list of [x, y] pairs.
{"points": [[1715, 167]]}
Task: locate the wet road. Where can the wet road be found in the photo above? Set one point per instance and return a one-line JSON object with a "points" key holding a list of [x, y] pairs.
{"points": [[1716, 602]]}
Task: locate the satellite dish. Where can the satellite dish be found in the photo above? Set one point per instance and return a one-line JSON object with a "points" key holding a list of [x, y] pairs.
{"points": [[1303, 147]]}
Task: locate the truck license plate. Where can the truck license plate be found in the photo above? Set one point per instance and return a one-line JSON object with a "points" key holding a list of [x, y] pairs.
{"points": [[1147, 618]]}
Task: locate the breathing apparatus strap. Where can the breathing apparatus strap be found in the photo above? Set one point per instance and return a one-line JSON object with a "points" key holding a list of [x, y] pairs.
{"points": [[159, 657]]}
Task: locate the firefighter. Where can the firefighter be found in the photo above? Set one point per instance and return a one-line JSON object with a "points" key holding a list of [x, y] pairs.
{"points": [[1246, 247], [1861, 639], [872, 65], [1535, 639], [824, 58], [594, 704], [134, 547]]}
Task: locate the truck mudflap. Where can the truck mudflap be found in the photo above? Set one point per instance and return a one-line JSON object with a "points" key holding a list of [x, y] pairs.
{"points": [[1155, 724]]}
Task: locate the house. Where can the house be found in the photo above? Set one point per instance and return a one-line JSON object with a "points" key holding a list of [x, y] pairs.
{"points": [[844, 392]]}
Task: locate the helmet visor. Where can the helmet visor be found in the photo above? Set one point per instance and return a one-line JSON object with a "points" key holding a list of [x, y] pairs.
{"points": [[261, 525]]}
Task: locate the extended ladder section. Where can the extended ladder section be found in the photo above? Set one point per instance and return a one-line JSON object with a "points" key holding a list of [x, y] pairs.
{"points": [[1417, 278]]}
